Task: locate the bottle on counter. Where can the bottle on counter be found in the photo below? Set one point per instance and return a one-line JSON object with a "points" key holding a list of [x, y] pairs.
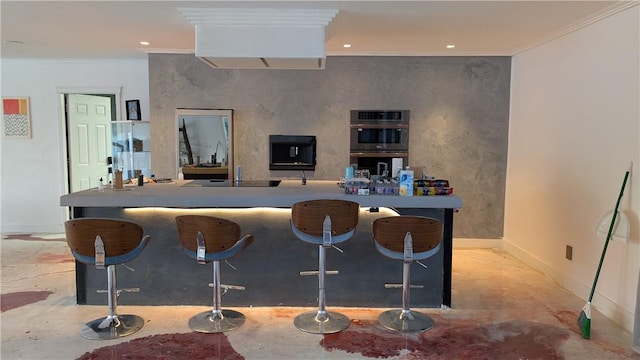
{"points": [[348, 172], [180, 174], [118, 181], [238, 173], [100, 185]]}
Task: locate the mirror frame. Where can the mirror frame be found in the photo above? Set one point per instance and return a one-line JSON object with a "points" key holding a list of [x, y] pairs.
{"points": [[205, 112]]}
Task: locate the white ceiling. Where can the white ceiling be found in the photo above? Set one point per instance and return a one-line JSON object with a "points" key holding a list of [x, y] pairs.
{"points": [[114, 29]]}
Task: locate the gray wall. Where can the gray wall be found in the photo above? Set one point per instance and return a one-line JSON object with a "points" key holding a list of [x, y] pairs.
{"points": [[459, 118]]}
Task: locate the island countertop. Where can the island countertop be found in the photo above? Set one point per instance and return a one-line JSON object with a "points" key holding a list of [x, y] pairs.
{"points": [[202, 193]]}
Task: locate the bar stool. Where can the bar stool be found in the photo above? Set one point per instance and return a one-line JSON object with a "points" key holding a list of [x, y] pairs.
{"points": [[211, 239], [406, 238], [106, 243], [323, 223]]}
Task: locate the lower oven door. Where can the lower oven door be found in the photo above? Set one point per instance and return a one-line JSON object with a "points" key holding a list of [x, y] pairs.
{"points": [[378, 162]]}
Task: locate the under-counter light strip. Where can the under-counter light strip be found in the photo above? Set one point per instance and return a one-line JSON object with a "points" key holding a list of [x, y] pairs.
{"points": [[251, 210], [246, 211]]}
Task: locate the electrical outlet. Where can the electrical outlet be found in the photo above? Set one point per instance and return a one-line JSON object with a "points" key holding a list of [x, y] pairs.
{"points": [[569, 252]]}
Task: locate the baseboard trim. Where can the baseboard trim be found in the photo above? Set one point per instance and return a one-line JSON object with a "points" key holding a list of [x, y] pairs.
{"points": [[32, 229], [600, 302], [477, 243]]}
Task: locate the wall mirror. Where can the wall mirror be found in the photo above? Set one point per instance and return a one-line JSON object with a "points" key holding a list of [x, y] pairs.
{"points": [[205, 143]]}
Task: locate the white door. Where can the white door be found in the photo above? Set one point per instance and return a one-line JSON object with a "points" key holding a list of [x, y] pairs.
{"points": [[89, 122]]}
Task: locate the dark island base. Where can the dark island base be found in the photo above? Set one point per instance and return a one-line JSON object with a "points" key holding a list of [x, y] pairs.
{"points": [[269, 268]]}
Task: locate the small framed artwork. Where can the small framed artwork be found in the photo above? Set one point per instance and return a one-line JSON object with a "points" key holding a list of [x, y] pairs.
{"points": [[133, 110], [16, 118]]}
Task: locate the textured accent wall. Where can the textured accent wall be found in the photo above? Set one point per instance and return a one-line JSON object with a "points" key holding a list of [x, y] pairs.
{"points": [[458, 130]]}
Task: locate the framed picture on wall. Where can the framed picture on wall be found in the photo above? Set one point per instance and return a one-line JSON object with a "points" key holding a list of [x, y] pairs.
{"points": [[16, 119], [133, 110]]}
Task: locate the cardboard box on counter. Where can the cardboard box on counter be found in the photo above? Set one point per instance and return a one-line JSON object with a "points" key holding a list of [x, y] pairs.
{"points": [[406, 183]]}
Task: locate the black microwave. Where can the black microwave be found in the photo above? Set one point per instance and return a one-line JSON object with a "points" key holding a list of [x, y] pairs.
{"points": [[292, 152], [379, 130]]}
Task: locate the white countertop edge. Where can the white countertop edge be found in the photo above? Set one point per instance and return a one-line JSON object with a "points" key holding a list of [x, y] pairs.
{"points": [[289, 192]]}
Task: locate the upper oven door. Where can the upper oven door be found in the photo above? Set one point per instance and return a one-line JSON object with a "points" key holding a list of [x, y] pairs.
{"points": [[379, 137]]}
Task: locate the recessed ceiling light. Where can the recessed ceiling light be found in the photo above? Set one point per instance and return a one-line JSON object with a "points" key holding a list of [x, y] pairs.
{"points": [[346, 45], [145, 43], [450, 46]]}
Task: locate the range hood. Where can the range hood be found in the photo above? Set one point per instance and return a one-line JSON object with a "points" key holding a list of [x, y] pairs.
{"points": [[261, 38]]}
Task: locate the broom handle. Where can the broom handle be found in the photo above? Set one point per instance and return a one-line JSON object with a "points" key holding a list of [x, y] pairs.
{"points": [[606, 243]]}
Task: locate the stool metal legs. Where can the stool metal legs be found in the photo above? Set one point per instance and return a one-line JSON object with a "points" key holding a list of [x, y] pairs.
{"points": [[113, 326], [405, 320], [216, 320], [321, 321]]}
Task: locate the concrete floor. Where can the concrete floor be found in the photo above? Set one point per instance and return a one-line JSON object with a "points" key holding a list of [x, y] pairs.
{"points": [[502, 309]]}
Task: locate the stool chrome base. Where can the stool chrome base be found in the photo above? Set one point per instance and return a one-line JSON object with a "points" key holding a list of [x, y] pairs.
{"points": [[310, 322], [406, 322], [121, 326], [207, 322]]}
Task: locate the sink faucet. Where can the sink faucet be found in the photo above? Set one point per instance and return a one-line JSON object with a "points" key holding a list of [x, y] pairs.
{"points": [[384, 173]]}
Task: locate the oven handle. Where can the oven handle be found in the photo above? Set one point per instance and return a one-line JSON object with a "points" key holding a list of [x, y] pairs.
{"points": [[380, 154], [379, 126]]}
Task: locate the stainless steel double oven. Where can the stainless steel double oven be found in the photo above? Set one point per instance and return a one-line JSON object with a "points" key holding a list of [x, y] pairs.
{"points": [[379, 137]]}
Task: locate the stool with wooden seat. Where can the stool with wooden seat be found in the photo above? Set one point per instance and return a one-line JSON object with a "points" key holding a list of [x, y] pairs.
{"points": [[106, 243], [211, 239], [408, 239], [324, 223]]}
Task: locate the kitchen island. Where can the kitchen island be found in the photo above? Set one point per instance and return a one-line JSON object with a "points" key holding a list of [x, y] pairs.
{"points": [[270, 267]]}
